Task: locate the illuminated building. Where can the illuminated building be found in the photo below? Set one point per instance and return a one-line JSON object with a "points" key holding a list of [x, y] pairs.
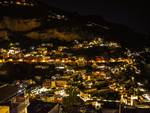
{"points": [[4, 109], [89, 78], [53, 84]]}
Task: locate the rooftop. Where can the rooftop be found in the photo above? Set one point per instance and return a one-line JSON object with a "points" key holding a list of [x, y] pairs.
{"points": [[7, 91]]}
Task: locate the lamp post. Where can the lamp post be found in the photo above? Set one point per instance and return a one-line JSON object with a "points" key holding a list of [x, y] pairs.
{"points": [[121, 99]]}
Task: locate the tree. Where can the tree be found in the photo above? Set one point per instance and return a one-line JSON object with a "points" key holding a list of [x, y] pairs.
{"points": [[72, 103]]}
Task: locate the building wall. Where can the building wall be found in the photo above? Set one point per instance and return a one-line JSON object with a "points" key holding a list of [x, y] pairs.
{"points": [[4, 109]]}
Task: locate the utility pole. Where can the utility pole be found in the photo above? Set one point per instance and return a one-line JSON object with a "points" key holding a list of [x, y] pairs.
{"points": [[120, 107]]}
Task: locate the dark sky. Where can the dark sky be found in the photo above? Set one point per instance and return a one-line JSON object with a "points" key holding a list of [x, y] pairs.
{"points": [[133, 14]]}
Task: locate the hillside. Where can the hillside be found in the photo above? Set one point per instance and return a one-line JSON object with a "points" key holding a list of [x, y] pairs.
{"points": [[27, 20]]}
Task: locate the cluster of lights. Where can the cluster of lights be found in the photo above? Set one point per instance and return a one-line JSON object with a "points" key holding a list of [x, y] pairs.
{"points": [[17, 2], [67, 62]]}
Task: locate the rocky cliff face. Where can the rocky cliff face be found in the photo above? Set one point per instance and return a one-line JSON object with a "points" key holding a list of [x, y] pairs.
{"points": [[32, 28], [19, 25]]}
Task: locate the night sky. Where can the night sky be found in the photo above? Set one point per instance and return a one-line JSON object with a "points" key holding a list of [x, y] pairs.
{"points": [[133, 14]]}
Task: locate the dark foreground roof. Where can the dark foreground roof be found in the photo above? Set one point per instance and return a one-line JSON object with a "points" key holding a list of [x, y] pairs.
{"points": [[40, 107], [7, 91]]}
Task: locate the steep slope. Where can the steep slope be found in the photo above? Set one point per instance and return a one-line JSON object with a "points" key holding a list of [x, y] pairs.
{"points": [[22, 20]]}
